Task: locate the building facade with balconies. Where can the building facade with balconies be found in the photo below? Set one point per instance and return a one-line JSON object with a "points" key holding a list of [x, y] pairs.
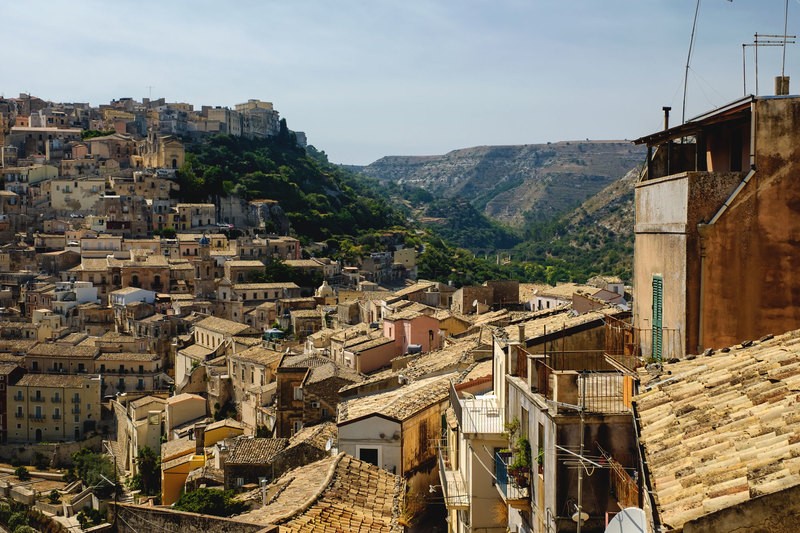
{"points": [[53, 408]]}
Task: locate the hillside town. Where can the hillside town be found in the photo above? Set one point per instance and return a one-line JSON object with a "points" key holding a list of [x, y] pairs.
{"points": [[139, 329]]}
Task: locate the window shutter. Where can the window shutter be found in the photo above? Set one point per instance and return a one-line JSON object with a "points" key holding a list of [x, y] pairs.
{"points": [[658, 317]]}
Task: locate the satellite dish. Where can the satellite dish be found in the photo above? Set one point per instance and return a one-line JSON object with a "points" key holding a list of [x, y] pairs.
{"points": [[474, 303], [584, 517], [329, 445], [629, 520]]}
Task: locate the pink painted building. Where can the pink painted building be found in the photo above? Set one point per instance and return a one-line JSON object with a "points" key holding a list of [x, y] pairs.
{"points": [[413, 328]]}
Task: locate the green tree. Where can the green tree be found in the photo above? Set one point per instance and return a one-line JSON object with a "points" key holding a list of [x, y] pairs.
{"points": [[20, 518], [149, 466], [91, 467], [210, 501]]}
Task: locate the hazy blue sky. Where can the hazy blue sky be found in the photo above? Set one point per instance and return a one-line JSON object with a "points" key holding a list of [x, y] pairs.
{"points": [[371, 78]]}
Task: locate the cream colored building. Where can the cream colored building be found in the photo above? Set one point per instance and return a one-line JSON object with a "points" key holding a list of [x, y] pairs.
{"points": [[75, 194], [195, 216], [53, 408]]}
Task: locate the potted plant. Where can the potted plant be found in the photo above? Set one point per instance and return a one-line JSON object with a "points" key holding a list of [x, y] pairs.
{"points": [[520, 467]]}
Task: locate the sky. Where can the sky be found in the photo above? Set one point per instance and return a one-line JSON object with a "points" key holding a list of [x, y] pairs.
{"points": [[370, 78]]}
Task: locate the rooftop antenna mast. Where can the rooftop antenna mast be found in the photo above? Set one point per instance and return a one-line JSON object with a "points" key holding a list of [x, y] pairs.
{"points": [[689, 59], [763, 39]]}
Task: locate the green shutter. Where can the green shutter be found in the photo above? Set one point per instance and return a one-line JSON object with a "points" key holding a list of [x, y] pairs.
{"points": [[658, 317]]}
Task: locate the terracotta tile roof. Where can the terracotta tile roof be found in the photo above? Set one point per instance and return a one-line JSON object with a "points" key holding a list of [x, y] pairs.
{"points": [[333, 495], [398, 404], [220, 325], [258, 354], [128, 356], [316, 436], [411, 289], [722, 429], [144, 400], [176, 448], [52, 380], [49, 349], [564, 319], [263, 286], [457, 356], [251, 450]]}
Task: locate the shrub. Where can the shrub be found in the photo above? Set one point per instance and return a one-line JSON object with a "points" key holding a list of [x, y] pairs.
{"points": [[17, 519], [22, 473]]}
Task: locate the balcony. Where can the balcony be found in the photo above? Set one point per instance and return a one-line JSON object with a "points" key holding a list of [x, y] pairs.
{"points": [[76, 399], [56, 399], [56, 416], [477, 415], [19, 415], [36, 417], [453, 486], [513, 484], [76, 410], [18, 398]]}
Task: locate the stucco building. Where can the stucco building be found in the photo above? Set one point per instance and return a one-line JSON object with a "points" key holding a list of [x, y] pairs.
{"points": [[716, 220]]}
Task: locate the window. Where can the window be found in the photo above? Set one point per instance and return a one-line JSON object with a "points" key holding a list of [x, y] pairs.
{"points": [[297, 425], [298, 392], [369, 454]]}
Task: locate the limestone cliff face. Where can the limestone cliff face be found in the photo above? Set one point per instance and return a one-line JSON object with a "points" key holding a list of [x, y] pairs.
{"points": [[512, 183]]}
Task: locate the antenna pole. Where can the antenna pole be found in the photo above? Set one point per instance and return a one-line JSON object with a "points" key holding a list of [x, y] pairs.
{"points": [[785, 27], [686, 72], [744, 71], [756, 61]]}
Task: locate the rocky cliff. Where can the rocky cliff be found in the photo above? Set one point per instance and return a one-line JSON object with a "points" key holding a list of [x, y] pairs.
{"points": [[515, 184]]}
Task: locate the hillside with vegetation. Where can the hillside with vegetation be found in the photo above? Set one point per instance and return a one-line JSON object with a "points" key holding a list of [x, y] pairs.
{"points": [[355, 214], [320, 200]]}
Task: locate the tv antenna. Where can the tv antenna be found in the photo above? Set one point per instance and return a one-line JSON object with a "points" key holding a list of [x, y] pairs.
{"points": [[689, 58], [150, 92], [765, 39]]}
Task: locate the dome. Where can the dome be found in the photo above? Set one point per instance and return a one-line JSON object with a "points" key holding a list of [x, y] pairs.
{"points": [[324, 290]]}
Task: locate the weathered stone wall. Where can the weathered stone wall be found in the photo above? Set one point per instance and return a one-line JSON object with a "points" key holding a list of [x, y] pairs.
{"points": [[60, 454], [751, 253], [136, 518]]}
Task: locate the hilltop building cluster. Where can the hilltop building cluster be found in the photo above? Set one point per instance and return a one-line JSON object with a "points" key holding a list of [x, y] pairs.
{"points": [[373, 400]]}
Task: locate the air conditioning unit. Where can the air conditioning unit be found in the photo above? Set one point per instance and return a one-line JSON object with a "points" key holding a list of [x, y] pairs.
{"points": [[315, 405]]}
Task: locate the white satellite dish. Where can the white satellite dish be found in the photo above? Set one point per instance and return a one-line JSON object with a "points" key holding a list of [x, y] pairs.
{"points": [[329, 445], [629, 520], [584, 517]]}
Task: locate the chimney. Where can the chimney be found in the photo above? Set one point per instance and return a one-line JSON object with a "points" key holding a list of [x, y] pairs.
{"points": [[666, 110], [199, 439], [521, 332], [781, 85]]}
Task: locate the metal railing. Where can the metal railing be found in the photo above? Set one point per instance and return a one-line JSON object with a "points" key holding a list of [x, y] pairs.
{"points": [[34, 416], [37, 398], [511, 487], [604, 392], [454, 488]]}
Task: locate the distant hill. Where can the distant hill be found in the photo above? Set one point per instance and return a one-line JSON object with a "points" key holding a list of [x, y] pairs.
{"points": [[515, 184]]}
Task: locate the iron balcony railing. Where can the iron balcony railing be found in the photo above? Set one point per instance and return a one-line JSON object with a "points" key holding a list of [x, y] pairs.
{"points": [[454, 488], [477, 415], [514, 485], [604, 392]]}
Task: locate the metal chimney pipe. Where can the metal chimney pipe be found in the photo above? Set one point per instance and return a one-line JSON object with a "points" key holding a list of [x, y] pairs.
{"points": [[666, 110]]}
